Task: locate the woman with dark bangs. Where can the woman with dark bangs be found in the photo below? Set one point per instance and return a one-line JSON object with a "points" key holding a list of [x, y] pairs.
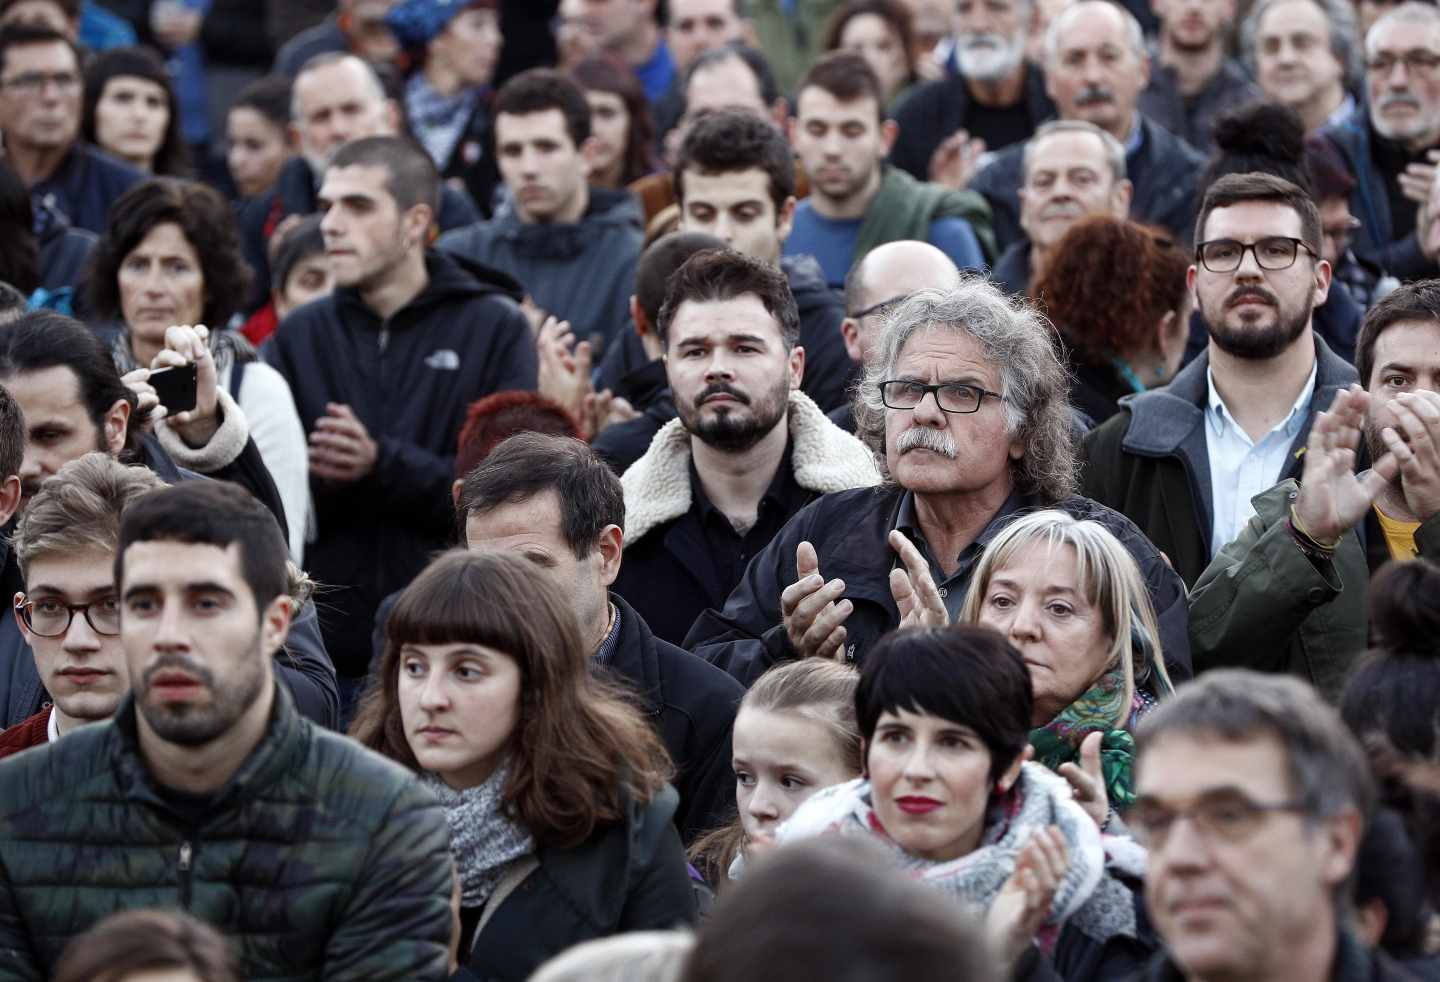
{"points": [[620, 122], [1116, 292], [130, 112], [555, 786]]}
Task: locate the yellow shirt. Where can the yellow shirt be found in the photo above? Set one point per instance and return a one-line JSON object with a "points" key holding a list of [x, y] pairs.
{"points": [[1399, 536]]}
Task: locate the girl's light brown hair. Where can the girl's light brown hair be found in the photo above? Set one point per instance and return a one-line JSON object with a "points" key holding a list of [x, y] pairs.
{"points": [[580, 749], [147, 941]]}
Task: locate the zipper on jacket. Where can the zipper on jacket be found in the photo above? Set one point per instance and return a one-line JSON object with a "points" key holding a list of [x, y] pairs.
{"points": [[186, 855]]}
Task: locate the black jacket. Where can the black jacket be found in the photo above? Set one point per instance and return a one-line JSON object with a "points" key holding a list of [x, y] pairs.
{"points": [[84, 186], [410, 380], [626, 877], [295, 193], [1193, 118], [934, 110], [1012, 270], [829, 372], [849, 531], [1353, 963], [647, 388], [692, 704], [318, 859], [64, 255], [1164, 170], [1150, 462], [302, 664]]}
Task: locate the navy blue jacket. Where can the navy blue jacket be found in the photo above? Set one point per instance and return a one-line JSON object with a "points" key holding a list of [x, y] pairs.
{"points": [[295, 193], [849, 530], [84, 186], [1165, 171], [1375, 240], [410, 380]]}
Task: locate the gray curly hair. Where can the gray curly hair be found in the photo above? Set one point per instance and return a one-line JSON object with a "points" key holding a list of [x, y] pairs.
{"points": [[1033, 382]]}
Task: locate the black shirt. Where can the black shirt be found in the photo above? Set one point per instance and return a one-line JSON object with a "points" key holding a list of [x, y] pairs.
{"points": [[953, 587], [998, 126], [1392, 158], [728, 550]]}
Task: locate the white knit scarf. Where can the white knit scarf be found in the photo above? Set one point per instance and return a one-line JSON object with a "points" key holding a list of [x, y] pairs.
{"points": [[483, 840]]}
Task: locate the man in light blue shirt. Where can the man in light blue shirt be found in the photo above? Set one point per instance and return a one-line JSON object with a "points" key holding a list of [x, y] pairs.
{"points": [[856, 202], [1185, 461]]}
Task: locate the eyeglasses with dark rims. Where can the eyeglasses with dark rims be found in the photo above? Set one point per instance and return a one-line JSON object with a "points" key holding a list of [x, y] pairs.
{"points": [[951, 397], [51, 618], [1274, 252]]}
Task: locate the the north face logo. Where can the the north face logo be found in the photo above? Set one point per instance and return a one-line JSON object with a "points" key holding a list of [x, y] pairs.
{"points": [[443, 360]]}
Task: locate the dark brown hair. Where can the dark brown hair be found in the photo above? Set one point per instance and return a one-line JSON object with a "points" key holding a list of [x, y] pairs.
{"points": [[581, 750], [896, 15], [147, 940], [1108, 284], [172, 157], [603, 73], [1234, 189], [724, 274], [1418, 301], [204, 218], [845, 75], [731, 141]]}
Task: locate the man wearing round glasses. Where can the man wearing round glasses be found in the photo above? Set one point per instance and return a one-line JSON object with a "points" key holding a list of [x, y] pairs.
{"points": [[966, 407], [1184, 461], [69, 613]]}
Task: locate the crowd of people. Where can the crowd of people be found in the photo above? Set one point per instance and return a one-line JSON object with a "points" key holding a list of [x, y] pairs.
{"points": [[708, 490]]}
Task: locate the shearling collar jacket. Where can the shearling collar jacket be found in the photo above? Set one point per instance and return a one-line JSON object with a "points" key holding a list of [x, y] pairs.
{"points": [[823, 456]]}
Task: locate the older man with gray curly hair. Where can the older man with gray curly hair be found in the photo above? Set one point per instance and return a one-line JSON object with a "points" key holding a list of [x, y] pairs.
{"points": [[966, 408]]}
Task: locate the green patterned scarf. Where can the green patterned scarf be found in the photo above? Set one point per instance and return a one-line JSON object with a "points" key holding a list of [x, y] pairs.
{"points": [[1058, 741]]}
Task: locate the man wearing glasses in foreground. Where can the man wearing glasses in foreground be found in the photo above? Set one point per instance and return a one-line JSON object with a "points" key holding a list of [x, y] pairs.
{"points": [[1252, 800], [966, 407], [1184, 461]]}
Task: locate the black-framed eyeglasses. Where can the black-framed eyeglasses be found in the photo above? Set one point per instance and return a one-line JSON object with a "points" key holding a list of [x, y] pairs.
{"points": [[951, 397], [51, 618], [884, 306], [34, 82], [1219, 818], [1418, 63], [1274, 252]]}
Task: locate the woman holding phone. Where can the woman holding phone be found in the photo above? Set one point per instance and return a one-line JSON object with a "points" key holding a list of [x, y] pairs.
{"points": [[168, 264]]}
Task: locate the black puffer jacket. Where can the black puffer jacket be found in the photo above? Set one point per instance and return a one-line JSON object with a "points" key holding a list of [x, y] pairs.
{"points": [[319, 859]]}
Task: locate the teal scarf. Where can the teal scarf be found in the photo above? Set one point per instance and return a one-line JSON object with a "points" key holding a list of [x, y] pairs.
{"points": [[1058, 741]]}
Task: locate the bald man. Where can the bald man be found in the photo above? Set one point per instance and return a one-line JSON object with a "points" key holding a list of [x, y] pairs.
{"points": [[885, 274]]}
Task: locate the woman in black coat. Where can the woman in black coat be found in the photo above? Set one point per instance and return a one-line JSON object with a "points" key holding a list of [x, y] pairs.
{"points": [[555, 787]]}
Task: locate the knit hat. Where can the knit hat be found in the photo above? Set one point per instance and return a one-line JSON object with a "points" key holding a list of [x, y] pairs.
{"points": [[415, 23]]}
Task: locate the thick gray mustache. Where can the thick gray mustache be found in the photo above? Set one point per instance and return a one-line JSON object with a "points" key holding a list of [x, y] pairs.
{"points": [[925, 438]]}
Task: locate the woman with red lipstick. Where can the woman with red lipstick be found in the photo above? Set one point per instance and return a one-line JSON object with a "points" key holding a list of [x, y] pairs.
{"points": [[795, 734], [945, 715], [554, 785], [1069, 596]]}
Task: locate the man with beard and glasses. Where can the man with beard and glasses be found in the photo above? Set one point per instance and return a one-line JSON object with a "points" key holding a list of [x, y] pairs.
{"points": [[964, 403], [748, 450], [1388, 144], [1095, 67], [1289, 594], [1184, 461], [856, 202], [208, 791], [383, 371], [1193, 79], [995, 99]]}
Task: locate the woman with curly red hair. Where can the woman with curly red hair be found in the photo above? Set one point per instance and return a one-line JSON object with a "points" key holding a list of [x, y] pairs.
{"points": [[1115, 290]]}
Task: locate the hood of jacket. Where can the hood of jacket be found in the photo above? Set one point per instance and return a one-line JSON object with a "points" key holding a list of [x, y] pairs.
{"points": [[807, 283], [823, 456], [609, 210], [451, 278]]}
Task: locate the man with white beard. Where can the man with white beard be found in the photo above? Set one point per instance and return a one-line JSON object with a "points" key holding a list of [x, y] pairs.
{"points": [[996, 99]]}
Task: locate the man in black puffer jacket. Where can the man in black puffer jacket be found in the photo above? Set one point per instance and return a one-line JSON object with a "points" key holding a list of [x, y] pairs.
{"points": [[208, 792], [382, 372]]}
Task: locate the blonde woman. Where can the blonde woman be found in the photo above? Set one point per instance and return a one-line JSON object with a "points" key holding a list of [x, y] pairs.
{"points": [[1069, 596]]}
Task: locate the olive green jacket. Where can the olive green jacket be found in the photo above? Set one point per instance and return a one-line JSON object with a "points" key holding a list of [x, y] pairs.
{"points": [[791, 44], [1264, 604]]}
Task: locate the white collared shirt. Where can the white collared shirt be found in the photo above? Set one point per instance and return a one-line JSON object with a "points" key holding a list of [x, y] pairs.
{"points": [[1239, 468]]}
